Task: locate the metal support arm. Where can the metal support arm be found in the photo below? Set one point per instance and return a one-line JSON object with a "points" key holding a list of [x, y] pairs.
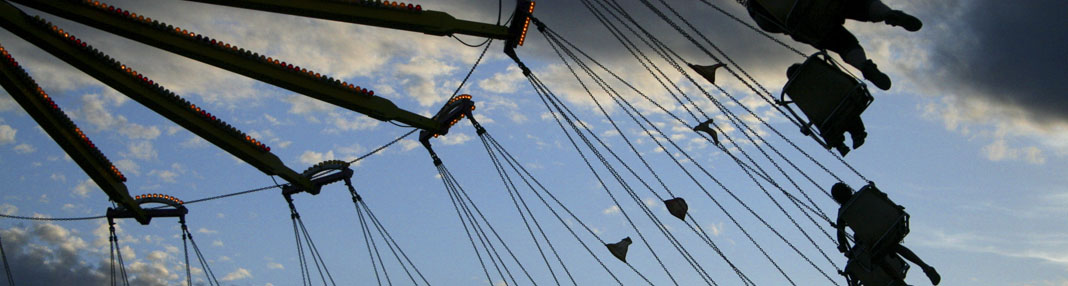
{"points": [[154, 98]]}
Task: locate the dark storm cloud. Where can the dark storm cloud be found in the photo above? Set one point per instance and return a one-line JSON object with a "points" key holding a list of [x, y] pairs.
{"points": [[48, 254], [36, 257], [1012, 52]]}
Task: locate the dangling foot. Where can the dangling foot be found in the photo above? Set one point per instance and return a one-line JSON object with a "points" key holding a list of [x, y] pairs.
{"points": [[933, 275], [858, 138], [900, 19], [871, 73], [842, 149]]}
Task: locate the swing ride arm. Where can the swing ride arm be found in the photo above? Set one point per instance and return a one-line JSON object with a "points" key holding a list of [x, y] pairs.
{"points": [[429, 22], [129, 25], [408, 18], [163, 36], [140, 89], [69, 137]]}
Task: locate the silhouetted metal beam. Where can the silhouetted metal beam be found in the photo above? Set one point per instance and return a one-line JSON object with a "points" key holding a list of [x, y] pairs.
{"points": [[58, 126], [373, 13], [123, 79], [235, 60]]}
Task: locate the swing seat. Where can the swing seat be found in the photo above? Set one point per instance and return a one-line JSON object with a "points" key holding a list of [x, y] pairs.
{"points": [[887, 270], [830, 98], [877, 222], [807, 21]]}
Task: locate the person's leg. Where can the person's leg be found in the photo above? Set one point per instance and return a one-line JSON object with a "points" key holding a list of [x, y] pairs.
{"points": [[856, 132], [927, 269], [876, 12], [847, 46]]}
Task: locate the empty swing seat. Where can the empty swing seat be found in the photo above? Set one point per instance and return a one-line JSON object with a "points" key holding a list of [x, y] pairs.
{"points": [[877, 223], [830, 98]]}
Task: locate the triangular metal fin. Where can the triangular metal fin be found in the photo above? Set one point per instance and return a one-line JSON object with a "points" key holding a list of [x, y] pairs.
{"points": [[619, 249], [677, 207], [708, 72], [707, 128]]}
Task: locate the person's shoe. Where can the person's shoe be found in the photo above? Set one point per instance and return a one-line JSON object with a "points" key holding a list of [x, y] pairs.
{"points": [[871, 73], [858, 138], [900, 19], [933, 275], [842, 149]]}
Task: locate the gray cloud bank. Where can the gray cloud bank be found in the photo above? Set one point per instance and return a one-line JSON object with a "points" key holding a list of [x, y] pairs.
{"points": [[47, 254], [1010, 52]]}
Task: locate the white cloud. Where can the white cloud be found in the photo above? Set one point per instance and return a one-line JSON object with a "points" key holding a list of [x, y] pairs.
{"points": [[352, 122], [173, 130], [138, 131], [8, 209], [271, 119], [716, 229], [238, 274], [275, 265], [1011, 133], [408, 144], [651, 202], [157, 256], [128, 166], [7, 134], [454, 138], [217, 243], [141, 150], [505, 82], [94, 109], [311, 157], [24, 148], [1000, 151], [300, 104], [194, 141], [207, 231], [165, 175], [419, 76], [83, 188], [7, 103], [58, 177], [611, 210]]}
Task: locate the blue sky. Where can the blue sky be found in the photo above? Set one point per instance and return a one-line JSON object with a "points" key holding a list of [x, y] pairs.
{"points": [[976, 159]]}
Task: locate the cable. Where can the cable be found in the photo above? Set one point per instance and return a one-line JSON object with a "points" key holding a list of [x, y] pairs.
{"points": [[375, 151], [512, 192], [685, 253], [472, 70], [52, 218], [470, 45], [755, 29], [7, 266]]}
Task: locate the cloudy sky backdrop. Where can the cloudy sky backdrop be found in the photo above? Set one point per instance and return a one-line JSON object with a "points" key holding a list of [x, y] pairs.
{"points": [[972, 139]]}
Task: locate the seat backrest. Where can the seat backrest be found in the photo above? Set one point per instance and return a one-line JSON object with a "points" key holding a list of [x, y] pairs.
{"points": [[875, 220], [826, 94]]}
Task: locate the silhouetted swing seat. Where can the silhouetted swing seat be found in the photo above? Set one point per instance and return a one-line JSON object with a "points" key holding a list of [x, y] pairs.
{"points": [[829, 97], [876, 221], [809, 20], [878, 226]]}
